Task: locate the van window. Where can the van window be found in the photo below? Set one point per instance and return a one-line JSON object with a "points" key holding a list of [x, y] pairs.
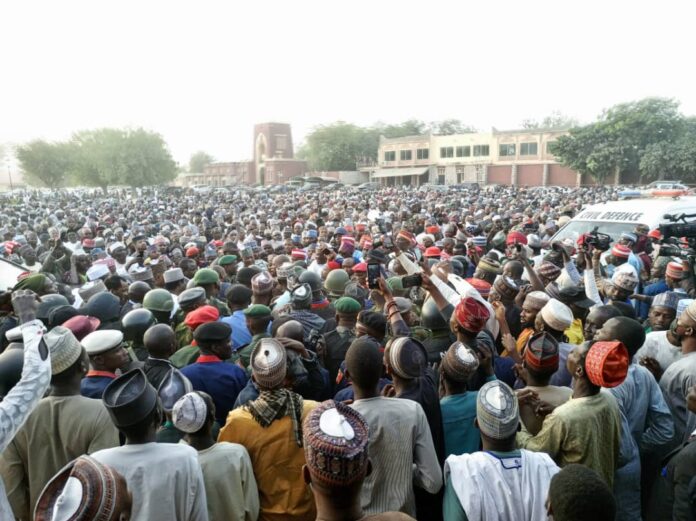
{"points": [[575, 229]]}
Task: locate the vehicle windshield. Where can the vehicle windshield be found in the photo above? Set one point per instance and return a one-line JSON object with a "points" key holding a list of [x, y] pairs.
{"points": [[575, 229]]}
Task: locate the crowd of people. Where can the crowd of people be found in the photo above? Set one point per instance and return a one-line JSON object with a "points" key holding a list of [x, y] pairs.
{"points": [[343, 356]]}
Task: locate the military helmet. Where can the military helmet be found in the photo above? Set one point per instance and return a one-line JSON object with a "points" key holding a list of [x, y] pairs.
{"points": [[336, 281], [311, 278], [136, 322], [158, 300], [431, 316], [48, 302]]}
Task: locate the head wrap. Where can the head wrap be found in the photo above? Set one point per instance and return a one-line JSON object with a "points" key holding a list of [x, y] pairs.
{"points": [[515, 237], [606, 363], [459, 362], [497, 411], [407, 357], [335, 443], [557, 315], [190, 412], [471, 314], [541, 352]]}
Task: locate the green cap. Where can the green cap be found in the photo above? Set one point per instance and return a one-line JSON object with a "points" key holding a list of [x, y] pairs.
{"points": [[227, 259], [347, 305], [206, 276], [257, 310]]}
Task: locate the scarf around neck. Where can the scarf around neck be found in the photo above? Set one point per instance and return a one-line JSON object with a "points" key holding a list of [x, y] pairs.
{"points": [[273, 405]]}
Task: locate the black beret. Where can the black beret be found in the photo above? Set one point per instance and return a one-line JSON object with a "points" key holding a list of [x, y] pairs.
{"points": [[212, 332]]}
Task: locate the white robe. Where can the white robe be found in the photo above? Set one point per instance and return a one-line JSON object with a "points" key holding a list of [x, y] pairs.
{"points": [[490, 488]]}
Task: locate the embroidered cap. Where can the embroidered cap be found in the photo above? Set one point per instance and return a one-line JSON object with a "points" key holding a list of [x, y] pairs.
{"points": [[497, 411]]}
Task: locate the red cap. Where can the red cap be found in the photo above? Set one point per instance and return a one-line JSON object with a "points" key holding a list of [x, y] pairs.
{"points": [[433, 251], [606, 363], [192, 251], [361, 267], [82, 325], [621, 251], [471, 314], [432, 229], [88, 243], [480, 285], [655, 234], [516, 237], [201, 315]]}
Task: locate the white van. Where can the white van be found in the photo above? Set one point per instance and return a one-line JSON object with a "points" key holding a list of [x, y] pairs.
{"points": [[616, 217]]}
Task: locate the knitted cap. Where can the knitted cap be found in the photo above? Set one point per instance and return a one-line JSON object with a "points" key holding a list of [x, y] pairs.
{"points": [[497, 411], [557, 315], [606, 363], [541, 352], [335, 442], [489, 265], [620, 251], [505, 287], [536, 299], [471, 314], [189, 413], [262, 283], [625, 280], [480, 285], [459, 362], [668, 299], [549, 270], [407, 357], [173, 275], [675, 270], [65, 349], [84, 489], [269, 363]]}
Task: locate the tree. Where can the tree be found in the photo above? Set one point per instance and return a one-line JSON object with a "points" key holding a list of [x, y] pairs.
{"points": [[617, 142], [199, 161], [556, 120], [672, 159], [447, 127], [110, 156], [44, 163], [338, 146]]}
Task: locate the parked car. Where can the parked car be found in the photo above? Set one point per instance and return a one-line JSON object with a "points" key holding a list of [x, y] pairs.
{"points": [[369, 186]]}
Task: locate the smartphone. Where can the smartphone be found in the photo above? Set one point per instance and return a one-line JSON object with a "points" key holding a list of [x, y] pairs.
{"points": [[410, 281], [373, 273]]}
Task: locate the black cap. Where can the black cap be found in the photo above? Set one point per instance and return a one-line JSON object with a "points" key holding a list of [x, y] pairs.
{"points": [[377, 257], [212, 332], [575, 295], [129, 398]]}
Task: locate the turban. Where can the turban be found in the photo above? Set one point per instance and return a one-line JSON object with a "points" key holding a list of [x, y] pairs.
{"points": [[471, 314], [606, 363]]}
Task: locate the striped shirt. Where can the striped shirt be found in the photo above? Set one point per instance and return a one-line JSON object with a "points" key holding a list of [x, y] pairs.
{"points": [[399, 439]]}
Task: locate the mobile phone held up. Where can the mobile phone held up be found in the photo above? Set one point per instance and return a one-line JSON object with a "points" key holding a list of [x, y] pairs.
{"points": [[410, 281], [373, 273]]}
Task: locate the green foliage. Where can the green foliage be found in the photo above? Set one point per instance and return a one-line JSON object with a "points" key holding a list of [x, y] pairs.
{"points": [[109, 156], [44, 163], [674, 160], [199, 161], [340, 145], [621, 138]]}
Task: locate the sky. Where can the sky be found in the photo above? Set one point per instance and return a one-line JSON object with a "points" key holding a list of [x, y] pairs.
{"points": [[203, 73]]}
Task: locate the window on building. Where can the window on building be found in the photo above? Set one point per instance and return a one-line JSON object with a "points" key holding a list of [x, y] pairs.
{"points": [[460, 174], [405, 155], [447, 152], [481, 150], [528, 149], [422, 153], [506, 149], [390, 155], [441, 179], [463, 151]]}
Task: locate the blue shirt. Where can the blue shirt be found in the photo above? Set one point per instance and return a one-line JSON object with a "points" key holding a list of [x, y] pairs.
{"points": [[221, 380], [93, 386], [240, 333], [650, 290]]}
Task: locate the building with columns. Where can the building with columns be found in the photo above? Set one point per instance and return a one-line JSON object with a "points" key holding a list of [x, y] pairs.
{"points": [[511, 157]]}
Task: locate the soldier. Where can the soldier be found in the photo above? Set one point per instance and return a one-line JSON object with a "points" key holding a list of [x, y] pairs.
{"points": [[335, 283], [439, 338], [161, 303], [333, 345], [209, 280], [189, 300], [134, 325]]}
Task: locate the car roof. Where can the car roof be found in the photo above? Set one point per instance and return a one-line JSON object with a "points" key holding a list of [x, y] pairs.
{"points": [[649, 211]]}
